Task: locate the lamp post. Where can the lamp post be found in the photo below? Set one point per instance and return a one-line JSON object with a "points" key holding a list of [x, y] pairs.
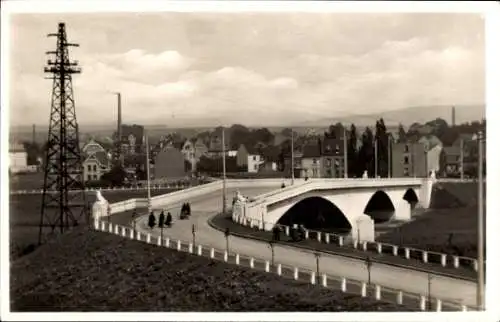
{"points": [[271, 244], [317, 255], [134, 216], [226, 234], [193, 230], [293, 161], [368, 262], [429, 301], [480, 219]]}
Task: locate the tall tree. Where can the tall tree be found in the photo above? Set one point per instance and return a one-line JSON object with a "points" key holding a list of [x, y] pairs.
{"points": [[381, 138], [401, 134], [366, 152], [335, 131], [239, 135], [352, 153]]}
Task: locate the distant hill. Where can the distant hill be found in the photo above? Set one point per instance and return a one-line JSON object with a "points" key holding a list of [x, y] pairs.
{"points": [[406, 116], [410, 115]]}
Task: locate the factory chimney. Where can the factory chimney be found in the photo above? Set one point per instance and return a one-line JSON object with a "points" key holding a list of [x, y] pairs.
{"points": [[453, 116], [119, 129], [33, 135]]}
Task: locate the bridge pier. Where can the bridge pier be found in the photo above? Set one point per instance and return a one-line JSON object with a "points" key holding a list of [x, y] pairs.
{"points": [[402, 210], [364, 229]]}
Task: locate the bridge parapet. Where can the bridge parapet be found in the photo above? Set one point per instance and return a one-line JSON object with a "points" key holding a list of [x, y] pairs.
{"points": [[322, 184]]}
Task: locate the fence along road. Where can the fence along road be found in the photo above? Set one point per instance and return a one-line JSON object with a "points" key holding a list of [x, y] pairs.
{"points": [[408, 280], [353, 287]]}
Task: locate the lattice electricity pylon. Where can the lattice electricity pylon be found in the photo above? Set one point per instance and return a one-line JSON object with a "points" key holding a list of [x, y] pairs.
{"points": [[64, 200]]}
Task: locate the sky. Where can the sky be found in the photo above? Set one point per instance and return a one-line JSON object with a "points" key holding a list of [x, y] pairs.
{"points": [[264, 69]]}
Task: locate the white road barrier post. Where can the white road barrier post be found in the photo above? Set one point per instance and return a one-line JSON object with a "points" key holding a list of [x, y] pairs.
{"points": [[422, 302], [399, 299], [377, 292], [438, 305], [363, 289]]}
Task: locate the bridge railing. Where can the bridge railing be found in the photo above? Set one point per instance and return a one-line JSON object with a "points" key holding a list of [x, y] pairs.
{"points": [[104, 189], [362, 288], [319, 184], [426, 256]]}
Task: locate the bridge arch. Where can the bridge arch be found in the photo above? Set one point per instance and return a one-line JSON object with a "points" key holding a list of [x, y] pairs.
{"points": [[380, 207], [411, 197], [317, 213]]}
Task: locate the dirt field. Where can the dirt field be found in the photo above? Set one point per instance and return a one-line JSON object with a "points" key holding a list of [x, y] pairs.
{"points": [[24, 215], [92, 271]]}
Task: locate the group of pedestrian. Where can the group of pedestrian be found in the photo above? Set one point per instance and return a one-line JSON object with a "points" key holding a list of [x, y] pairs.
{"points": [[185, 210], [162, 220], [298, 233]]}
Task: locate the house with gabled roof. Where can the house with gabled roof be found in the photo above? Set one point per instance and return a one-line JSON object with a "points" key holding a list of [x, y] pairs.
{"points": [[95, 165], [249, 156]]}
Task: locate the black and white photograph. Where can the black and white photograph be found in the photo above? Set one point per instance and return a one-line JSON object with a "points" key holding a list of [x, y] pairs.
{"points": [[246, 158]]}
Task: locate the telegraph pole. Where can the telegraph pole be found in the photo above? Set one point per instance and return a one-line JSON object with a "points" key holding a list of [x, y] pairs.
{"points": [[63, 161], [389, 156], [147, 173], [376, 158], [480, 219], [345, 156], [223, 172], [462, 159]]}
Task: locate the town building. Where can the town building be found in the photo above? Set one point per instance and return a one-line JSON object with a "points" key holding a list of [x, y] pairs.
{"points": [[408, 160], [249, 158], [95, 165], [200, 149], [215, 146], [451, 161], [96, 161], [311, 160], [18, 158], [169, 163], [297, 162], [132, 139], [332, 158]]}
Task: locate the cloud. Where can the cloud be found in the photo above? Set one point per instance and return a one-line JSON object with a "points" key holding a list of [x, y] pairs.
{"points": [[255, 69]]}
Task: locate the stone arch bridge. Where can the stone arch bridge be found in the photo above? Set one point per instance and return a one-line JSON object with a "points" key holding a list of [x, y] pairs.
{"points": [[353, 204]]}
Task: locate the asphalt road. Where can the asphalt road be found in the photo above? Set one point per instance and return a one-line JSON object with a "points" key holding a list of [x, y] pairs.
{"points": [[444, 288]]}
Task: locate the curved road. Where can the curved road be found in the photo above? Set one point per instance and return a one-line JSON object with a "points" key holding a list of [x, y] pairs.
{"points": [[444, 288]]}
